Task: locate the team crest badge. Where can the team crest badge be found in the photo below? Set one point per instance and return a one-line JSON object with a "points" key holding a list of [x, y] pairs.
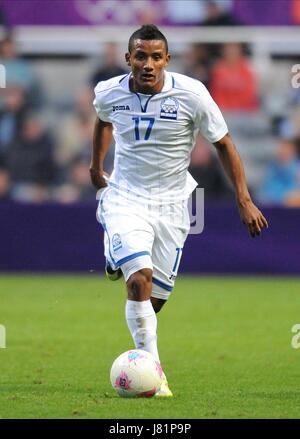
{"points": [[169, 108], [116, 241]]}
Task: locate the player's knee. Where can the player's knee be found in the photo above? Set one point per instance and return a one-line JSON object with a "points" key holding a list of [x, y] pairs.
{"points": [[139, 285]]}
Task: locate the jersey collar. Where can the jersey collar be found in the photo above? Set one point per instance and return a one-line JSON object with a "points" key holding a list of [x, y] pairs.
{"points": [[168, 82]]}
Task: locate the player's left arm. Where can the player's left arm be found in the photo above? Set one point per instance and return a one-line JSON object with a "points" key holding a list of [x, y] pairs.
{"points": [[250, 215]]}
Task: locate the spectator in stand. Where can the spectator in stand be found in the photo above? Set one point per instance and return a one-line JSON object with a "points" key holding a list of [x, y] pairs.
{"points": [[11, 117], [72, 151], [77, 183], [197, 62], [218, 15], [297, 143], [19, 72], [5, 184], [109, 67], [282, 180], [30, 162], [233, 82], [289, 127], [75, 130], [206, 170]]}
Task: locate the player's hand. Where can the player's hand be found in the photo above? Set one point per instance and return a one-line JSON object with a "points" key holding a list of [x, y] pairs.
{"points": [[253, 218], [98, 178]]}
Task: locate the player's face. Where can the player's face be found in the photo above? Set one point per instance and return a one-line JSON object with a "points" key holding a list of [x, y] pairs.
{"points": [[147, 60]]}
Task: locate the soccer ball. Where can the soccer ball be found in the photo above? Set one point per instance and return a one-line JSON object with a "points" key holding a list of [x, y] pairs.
{"points": [[136, 373]]}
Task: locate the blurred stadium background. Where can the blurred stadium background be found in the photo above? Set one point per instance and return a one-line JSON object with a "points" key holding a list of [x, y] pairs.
{"points": [[54, 53]]}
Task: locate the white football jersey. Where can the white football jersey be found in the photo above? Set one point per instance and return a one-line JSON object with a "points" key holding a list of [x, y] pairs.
{"points": [[155, 134]]}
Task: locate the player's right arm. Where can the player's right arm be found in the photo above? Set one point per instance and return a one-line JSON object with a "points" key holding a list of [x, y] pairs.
{"points": [[250, 215], [102, 139], [209, 119]]}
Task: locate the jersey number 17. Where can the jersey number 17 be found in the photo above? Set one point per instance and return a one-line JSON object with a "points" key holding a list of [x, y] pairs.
{"points": [[137, 120]]}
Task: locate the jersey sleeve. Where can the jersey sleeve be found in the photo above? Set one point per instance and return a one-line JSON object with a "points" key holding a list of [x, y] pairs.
{"points": [[208, 117], [100, 104]]}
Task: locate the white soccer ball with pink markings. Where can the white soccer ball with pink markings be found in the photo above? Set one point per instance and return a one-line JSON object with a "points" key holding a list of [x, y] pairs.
{"points": [[136, 373]]}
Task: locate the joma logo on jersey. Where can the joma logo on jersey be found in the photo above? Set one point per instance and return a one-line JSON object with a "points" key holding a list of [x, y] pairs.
{"points": [[169, 108], [120, 107]]}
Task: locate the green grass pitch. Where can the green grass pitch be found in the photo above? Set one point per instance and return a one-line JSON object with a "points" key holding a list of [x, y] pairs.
{"points": [[225, 345]]}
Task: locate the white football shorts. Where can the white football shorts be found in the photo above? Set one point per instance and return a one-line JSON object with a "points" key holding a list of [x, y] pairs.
{"points": [[140, 235]]}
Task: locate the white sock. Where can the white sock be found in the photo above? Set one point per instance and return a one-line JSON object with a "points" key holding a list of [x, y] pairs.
{"points": [[142, 323]]}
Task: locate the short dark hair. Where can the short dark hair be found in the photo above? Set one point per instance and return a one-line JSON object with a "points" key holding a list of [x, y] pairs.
{"points": [[147, 32]]}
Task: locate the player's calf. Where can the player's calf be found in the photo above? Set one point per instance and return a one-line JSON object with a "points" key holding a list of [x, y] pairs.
{"points": [[139, 285]]}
